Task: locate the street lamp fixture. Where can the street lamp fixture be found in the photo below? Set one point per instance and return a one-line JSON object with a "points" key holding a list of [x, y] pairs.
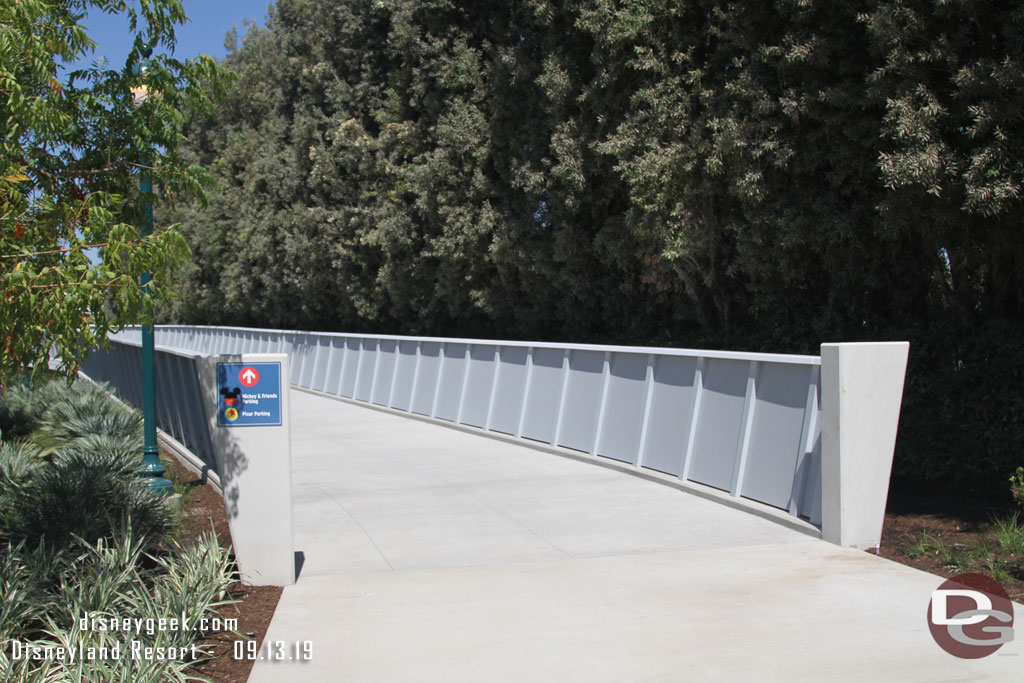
{"points": [[152, 470]]}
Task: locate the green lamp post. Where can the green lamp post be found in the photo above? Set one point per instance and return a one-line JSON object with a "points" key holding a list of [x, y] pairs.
{"points": [[152, 470]]}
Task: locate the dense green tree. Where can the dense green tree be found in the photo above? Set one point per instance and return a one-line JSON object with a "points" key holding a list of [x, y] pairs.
{"points": [[399, 172], [761, 175], [71, 151], [951, 75], [577, 168]]}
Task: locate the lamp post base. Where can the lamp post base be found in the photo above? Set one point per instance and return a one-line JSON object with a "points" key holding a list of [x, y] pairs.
{"points": [[152, 474]]}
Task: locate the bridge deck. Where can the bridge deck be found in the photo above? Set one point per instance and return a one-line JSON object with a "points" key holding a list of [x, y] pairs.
{"points": [[436, 555]]}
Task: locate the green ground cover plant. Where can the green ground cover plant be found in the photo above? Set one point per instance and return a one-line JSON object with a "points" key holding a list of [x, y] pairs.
{"points": [[1017, 486], [998, 550], [80, 537]]}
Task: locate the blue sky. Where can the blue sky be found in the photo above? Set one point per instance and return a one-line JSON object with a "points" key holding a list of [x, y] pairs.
{"points": [[204, 33]]}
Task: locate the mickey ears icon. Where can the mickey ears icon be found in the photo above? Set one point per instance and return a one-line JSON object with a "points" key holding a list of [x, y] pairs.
{"points": [[230, 397]]}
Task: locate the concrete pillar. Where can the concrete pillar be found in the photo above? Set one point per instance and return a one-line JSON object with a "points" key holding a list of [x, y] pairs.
{"points": [[861, 393], [254, 464]]}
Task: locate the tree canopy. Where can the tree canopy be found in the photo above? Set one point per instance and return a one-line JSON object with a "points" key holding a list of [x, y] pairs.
{"points": [[580, 169], [763, 175], [72, 149]]}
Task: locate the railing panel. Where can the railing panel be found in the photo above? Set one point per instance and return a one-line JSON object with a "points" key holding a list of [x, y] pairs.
{"points": [[385, 372], [180, 412], [164, 390], [508, 392], [775, 435], [582, 400], [814, 484], [426, 378], [248, 343], [476, 399], [367, 366], [335, 361], [405, 373], [453, 375], [350, 367], [670, 414], [304, 358], [286, 343], [810, 507], [184, 399], [323, 359], [135, 372], [719, 423], [543, 396], [624, 406]]}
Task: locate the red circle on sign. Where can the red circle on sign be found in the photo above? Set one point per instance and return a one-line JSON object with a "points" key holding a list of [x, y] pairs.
{"points": [[249, 376]]}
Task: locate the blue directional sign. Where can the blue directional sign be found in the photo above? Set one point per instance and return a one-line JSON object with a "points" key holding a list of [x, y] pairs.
{"points": [[248, 394]]}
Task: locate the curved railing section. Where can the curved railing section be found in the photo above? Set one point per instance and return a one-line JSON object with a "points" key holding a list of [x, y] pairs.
{"points": [[179, 395], [745, 423]]}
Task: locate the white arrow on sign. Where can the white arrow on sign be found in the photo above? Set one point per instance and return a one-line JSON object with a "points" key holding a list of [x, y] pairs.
{"points": [[249, 377]]}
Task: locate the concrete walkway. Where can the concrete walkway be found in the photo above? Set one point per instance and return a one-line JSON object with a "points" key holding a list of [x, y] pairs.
{"points": [[433, 555]]}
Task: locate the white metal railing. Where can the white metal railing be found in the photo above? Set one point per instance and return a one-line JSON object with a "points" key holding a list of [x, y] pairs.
{"points": [[745, 423]]}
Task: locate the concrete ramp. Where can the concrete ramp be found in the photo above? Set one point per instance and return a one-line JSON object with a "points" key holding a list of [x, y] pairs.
{"points": [[436, 555]]}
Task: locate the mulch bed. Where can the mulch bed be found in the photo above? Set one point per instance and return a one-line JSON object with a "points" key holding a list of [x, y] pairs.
{"points": [[958, 528], [256, 604]]}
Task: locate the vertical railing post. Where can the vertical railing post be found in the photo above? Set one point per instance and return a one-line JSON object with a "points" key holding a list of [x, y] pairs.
{"points": [[376, 371], [641, 445], [465, 380], [526, 392], [747, 422], [605, 376], [494, 388], [561, 397], [806, 445], [691, 438], [415, 377], [437, 384]]}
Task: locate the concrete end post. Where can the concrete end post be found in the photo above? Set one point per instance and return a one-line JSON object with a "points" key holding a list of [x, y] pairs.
{"points": [[249, 425], [861, 393]]}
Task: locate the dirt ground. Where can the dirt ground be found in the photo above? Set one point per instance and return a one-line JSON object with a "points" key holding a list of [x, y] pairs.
{"points": [[943, 538]]}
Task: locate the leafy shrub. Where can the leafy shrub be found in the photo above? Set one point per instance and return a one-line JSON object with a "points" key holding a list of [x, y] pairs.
{"points": [[63, 416], [14, 422], [1017, 486], [77, 472], [47, 592], [80, 535], [83, 493]]}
